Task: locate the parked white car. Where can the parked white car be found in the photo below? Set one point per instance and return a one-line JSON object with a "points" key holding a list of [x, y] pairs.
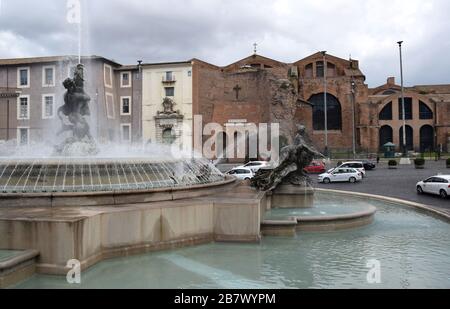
{"points": [[439, 185], [341, 175], [359, 166], [255, 165], [242, 173]]}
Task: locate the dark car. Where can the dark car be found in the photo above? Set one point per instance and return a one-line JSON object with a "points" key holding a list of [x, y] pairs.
{"points": [[368, 166]]}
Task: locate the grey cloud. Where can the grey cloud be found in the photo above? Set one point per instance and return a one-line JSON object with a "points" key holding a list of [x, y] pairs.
{"points": [[221, 31]]}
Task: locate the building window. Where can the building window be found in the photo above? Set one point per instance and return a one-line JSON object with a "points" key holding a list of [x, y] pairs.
{"points": [[125, 132], [125, 79], [408, 109], [23, 77], [168, 136], [389, 92], [23, 136], [110, 106], [386, 136], [386, 112], [309, 71], [425, 113], [426, 138], [320, 69], [189, 73], [23, 107], [48, 76], [409, 138], [48, 106], [334, 114], [170, 91], [331, 70], [108, 75], [169, 77], [125, 106]]}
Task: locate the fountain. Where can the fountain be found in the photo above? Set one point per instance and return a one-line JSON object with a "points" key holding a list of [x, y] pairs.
{"points": [[75, 166], [292, 207], [99, 210], [79, 204]]}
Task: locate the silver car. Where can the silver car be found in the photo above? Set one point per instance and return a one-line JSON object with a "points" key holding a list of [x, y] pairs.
{"points": [[341, 175]]}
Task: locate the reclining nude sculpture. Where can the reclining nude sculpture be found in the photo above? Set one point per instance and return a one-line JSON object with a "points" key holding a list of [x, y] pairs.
{"points": [[293, 159], [72, 115]]}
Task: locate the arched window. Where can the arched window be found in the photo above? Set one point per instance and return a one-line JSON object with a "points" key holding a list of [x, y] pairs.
{"points": [[386, 135], [386, 112], [424, 111], [408, 109], [426, 138], [389, 92], [409, 138], [334, 112], [168, 136], [309, 71]]}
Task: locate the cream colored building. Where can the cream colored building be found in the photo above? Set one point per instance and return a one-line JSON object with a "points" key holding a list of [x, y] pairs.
{"points": [[167, 114]]}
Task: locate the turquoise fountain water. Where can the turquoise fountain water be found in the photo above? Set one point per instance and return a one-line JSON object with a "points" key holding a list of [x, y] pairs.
{"points": [[413, 249], [6, 254], [324, 205]]}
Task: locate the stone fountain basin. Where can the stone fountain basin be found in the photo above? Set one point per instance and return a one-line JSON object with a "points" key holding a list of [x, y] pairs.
{"points": [[323, 223], [111, 198]]}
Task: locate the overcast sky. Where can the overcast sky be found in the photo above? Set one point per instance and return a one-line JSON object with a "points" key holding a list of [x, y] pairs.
{"points": [[223, 31]]}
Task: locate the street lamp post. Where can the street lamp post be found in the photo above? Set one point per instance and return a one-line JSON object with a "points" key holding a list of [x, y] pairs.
{"points": [[403, 100], [325, 68], [353, 90]]}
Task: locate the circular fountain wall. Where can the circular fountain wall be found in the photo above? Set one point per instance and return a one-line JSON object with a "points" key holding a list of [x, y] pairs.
{"points": [[58, 175], [54, 181]]}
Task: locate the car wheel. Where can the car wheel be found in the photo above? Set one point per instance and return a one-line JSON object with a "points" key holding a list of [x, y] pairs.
{"points": [[352, 180], [326, 180], [247, 178], [443, 194], [419, 190]]}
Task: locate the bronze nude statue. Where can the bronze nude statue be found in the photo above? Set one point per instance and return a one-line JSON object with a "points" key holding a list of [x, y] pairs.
{"points": [[293, 159], [72, 114]]}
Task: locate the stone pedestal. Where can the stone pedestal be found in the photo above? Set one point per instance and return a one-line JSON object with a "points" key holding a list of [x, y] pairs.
{"points": [[290, 196]]}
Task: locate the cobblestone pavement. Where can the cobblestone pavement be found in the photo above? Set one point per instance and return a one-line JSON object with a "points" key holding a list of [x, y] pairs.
{"points": [[399, 183]]}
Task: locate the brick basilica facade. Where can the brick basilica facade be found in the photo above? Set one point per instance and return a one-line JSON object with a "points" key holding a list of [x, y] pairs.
{"points": [[262, 90]]}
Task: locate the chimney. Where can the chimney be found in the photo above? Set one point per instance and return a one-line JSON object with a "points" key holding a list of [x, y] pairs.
{"points": [[391, 81]]}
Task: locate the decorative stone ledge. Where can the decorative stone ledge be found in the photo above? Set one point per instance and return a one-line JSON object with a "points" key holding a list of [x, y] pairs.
{"points": [[17, 268], [338, 222], [279, 227]]}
